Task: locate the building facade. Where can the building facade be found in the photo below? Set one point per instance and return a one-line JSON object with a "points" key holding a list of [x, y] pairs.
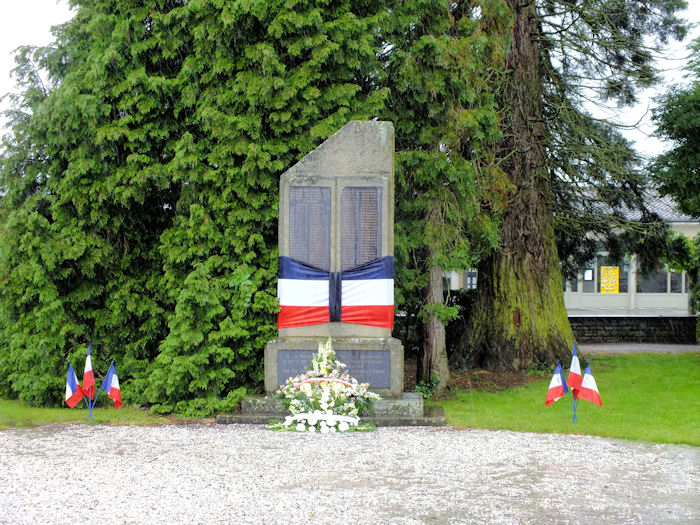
{"points": [[609, 288]]}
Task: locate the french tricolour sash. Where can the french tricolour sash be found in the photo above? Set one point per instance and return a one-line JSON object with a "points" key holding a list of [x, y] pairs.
{"points": [[360, 295]]}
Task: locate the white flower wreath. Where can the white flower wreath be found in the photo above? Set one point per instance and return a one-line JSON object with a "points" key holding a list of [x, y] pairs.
{"points": [[325, 399]]}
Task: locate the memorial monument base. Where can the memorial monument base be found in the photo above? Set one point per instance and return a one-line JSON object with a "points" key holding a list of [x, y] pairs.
{"points": [[374, 360], [336, 275]]}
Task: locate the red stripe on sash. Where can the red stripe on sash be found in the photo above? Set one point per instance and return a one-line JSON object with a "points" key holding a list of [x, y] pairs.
{"points": [[290, 316], [375, 315]]}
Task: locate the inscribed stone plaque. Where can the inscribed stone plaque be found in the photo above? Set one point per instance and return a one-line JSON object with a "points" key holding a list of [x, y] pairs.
{"points": [[367, 366], [361, 226], [291, 363], [310, 225]]}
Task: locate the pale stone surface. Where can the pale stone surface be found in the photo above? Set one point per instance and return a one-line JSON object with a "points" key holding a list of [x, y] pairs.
{"points": [[360, 154], [247, 474]]}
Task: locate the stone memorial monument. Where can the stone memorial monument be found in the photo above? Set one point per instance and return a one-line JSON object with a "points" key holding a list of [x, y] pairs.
{"points": [[336, 246], [336, 275]]}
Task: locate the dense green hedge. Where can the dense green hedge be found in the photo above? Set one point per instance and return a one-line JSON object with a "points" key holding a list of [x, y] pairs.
{"points": [[140, 187]]}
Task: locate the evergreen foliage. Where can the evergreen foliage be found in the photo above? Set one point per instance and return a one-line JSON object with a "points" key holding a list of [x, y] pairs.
{"points": [[442, 69], [139, 188], [677, 172], [600, 52]]}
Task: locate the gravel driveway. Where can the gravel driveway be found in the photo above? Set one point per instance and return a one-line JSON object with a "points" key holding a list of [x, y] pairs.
{"points": [[248, 474]]}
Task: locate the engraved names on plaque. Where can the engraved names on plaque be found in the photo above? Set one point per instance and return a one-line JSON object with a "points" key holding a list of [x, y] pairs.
{"points": [[360, 226], [367, 366], [310, 225]]}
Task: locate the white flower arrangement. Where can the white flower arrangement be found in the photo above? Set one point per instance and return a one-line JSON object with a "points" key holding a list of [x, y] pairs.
{"points": [[325, 399]]}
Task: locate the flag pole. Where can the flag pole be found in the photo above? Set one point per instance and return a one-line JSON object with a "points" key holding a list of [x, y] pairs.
{"points": [[97, 396], [90, 405], [89, 396], [571, 399], [573, 406], [571, 402]]}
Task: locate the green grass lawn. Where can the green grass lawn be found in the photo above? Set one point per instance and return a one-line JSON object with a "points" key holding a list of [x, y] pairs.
{"points": [[16, 414], [648, 397]]}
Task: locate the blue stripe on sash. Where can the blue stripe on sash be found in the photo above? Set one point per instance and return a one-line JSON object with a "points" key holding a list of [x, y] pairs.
{"points": [[381, 268], [335, 292], [293, 269]]}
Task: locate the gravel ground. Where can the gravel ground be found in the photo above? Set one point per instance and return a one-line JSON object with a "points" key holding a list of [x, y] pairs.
{"points": [[248, 474]]}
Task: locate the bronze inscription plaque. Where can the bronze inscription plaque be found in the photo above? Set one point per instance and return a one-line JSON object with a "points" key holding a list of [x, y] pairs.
{"points": [[361, 226], [310, 225]]}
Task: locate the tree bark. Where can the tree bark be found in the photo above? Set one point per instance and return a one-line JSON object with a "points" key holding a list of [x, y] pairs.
{"points": [[433, 360], [520, 319]]}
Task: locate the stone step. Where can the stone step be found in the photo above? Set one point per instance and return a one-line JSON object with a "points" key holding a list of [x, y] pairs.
{"points": [[410, 404], [408, 410], [432, 416]]}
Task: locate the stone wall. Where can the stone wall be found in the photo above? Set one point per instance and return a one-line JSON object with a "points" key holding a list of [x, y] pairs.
{"points": [[669, 330]]}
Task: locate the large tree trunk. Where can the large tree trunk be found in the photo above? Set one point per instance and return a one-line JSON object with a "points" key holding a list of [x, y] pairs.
{"points": [[520, 319], [433, 359]]}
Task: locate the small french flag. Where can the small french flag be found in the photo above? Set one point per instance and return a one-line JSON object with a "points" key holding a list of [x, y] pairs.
{"points": [[589, 389], [88, 376], [74, 394], [557, 386], [110, 384], [574, 380]]}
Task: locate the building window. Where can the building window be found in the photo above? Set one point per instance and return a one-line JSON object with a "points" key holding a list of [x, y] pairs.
{"points": [[676, 281], [589, 279], [573, 284], [608, 268], [655, 281], [470, 279]]}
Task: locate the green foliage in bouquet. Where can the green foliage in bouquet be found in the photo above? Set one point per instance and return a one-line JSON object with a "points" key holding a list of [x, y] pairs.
{"points": [[325, 398]]}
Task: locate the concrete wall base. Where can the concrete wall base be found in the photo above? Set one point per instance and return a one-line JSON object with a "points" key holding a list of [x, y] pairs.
{"points": [[669, 330]]}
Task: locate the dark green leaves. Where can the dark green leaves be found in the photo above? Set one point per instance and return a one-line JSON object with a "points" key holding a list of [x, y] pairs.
{"points": [[139, 200], [677, 172]]}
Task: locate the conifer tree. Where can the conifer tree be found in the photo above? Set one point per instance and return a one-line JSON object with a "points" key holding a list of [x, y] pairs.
{"points": [[677, 171], [442, 65], [561, 162]]}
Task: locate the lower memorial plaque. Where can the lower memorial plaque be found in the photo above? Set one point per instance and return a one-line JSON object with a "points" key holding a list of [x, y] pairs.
{"points": [[367, 366]]}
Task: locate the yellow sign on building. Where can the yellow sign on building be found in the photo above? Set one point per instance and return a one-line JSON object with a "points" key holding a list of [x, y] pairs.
{"points": [[609, 279]]}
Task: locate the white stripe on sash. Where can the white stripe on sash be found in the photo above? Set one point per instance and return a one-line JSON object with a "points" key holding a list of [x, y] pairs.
{"points": [[367, 292], [301, 292]]}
